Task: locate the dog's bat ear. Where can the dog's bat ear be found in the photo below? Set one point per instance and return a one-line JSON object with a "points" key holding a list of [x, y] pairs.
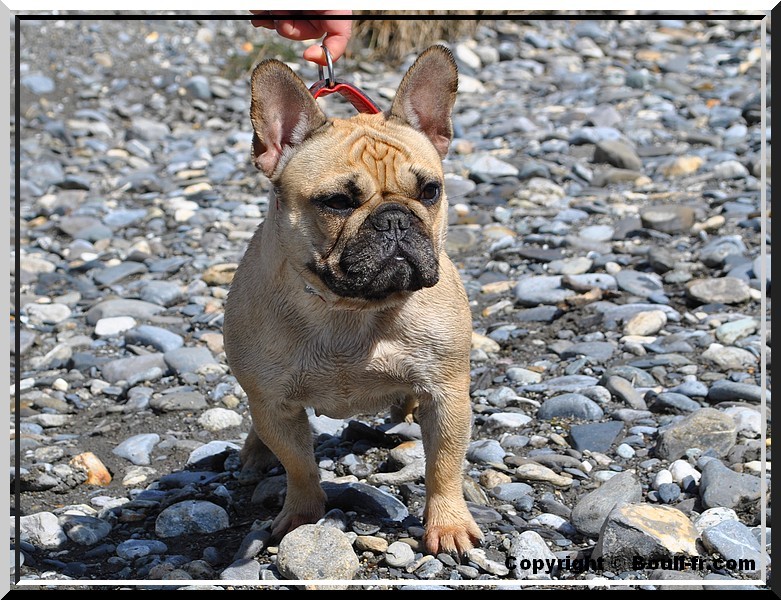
{"points": [[426, 96], [282, 111]]}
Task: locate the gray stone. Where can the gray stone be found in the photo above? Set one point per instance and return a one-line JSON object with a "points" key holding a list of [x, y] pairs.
{"points": [[726, 290], [41, 529], [189, 360], [730, 391], [348, 496], [253, 544], [541, 289], [669, 492], [148, 129], [191, 517], [115, 274], [572, 405], [38, 84], [26, 341], [242, 569], [133, 549], [198, 87], [706, 428], [692, 389], [120, 218], [716, 251], [137, 448], [732, 331], [488, 452], [430, 569], [624, 392], [481, 558], [676, 402], [672, 219], [164, 293], [730, 169], [47, 314], [173, 401], [399, 555], [316, 552], [158, 338], [120, 307], [598, 437], [211, 449], [618, 154], [520, 376], [734, 541], [511, 492], [592, 510], [596, 351], [112, 326], [564, 383], [486, 167], [730, 358], [721, 486], [570, 266], [85, 530], [645, 285], [526, 550], [506, 420]]}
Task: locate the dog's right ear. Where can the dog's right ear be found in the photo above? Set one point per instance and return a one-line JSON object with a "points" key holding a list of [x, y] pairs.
{"points": [[282, 112]]}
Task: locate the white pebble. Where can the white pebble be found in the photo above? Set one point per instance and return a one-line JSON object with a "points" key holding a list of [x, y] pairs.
{"points": [[60, 384], [681, 471], [113, 325], [663, 476], [625, 451]]}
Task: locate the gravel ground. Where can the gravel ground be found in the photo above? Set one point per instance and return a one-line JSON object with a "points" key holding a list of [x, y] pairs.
{"points": [[604, 186]]}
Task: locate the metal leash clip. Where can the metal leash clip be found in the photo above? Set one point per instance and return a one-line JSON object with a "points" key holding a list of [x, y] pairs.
{"points": [[329, 85]]}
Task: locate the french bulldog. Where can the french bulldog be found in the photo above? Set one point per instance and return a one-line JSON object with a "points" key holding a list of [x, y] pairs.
{"points": [[345, 300]]}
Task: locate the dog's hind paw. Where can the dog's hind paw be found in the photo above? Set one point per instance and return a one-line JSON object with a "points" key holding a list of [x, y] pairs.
{"points": [[452, 539]]}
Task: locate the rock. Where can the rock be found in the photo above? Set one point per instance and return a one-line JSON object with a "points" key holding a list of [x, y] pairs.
{"points": [[216, 419], [719, 249], [682, 165], [41, 529], [747, 420], [535, 472], [592, 510], [211, 449], [97, 473], [198, 87], [512, 491], [597, 437], [729, 391], [128, 369], [164, 293], [38, 84], [191, 517], [672, 218], [669, 492], [670, 401], [729, 358], [158, 338], [541, 289], [725, 290], [507, 420], [481, 559], [317, 552], [684, 474], [730, 332], [734, 541], [349, 496], [111, 275], [220, 274], [137, 309], [714, 516], [137, 448], [481, 342], [148, 129], [758, 264], [85, 530], [47, 314], [488, 452], [135, 476], [645, 285], [253, 544], [399, 555], [706, 428], [653, 532], [133, 549], [729, 169], [371, 543], [721, 486], [178, 400], [576, 406], [618, 154], [595, 352], [244, 569], [623, 391], [570, 266], [111, 326], [485, 167], [189, 360], [530, 556], [646, 323]]}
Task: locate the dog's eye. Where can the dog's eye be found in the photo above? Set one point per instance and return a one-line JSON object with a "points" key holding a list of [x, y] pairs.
{"points": [[430, 193], [337, 202]]}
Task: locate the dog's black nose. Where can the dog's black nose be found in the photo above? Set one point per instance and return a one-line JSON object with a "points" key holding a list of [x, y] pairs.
{"points": [[390, 217]]}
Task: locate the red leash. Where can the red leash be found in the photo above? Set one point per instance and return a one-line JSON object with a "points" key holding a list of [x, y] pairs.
{"points": [[329, 85]]}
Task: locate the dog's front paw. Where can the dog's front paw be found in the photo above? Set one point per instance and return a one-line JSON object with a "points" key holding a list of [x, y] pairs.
{"points": [[450, 528], [297, 513]]}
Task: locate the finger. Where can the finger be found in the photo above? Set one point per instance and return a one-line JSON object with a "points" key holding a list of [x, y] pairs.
{"points": [[300, 29]]}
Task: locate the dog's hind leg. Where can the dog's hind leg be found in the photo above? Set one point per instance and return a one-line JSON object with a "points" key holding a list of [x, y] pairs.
{"points": [[256, 458]]}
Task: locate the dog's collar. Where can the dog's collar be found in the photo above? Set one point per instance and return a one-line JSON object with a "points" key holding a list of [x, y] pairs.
{"points": [[348, 91]]}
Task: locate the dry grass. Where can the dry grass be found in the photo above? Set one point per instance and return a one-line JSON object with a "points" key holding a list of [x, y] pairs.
{"points": [[391, 40]]}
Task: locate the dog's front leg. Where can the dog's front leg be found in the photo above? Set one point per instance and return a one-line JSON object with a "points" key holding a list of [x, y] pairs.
{"points": [[445, 422], [289, 437]]}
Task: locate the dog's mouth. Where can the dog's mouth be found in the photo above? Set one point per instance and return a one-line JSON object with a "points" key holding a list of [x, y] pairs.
{"points": [[390, 253]]}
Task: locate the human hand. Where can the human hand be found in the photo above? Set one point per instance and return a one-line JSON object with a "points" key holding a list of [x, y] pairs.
{"points": [[337, 31]]}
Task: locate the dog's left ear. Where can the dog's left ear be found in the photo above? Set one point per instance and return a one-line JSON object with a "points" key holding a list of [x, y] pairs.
{"points": [[426, 96]]}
